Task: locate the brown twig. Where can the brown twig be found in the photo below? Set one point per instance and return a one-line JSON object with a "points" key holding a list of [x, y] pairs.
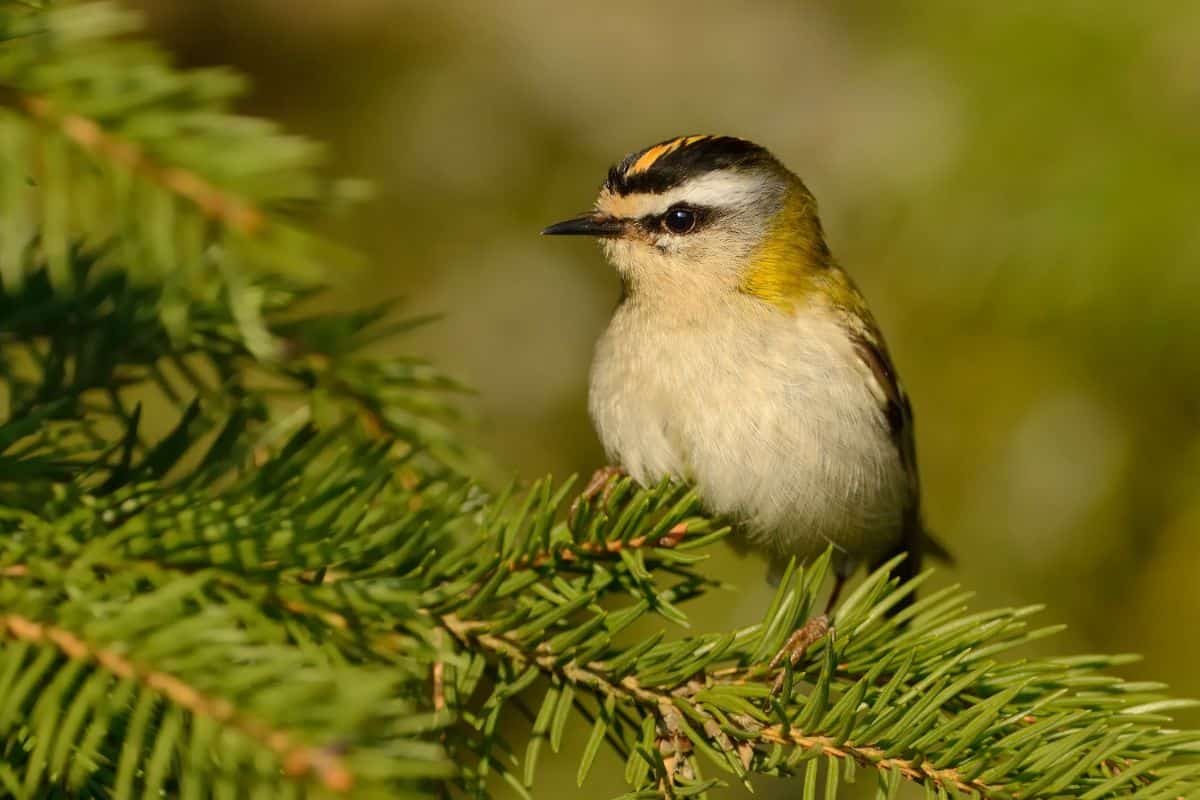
{"points": [[215, 203], [656, 699], [298, 759], [613, 547], [871, 756], [438, 674]]}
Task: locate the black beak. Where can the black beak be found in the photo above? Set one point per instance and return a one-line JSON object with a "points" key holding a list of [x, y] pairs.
{"points": [[588, 225]]}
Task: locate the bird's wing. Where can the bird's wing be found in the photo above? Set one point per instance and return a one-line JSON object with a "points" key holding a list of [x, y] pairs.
{"points": [[897, 411]]}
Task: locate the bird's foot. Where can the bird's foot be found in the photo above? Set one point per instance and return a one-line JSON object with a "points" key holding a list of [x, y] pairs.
{"points": [[797, 645], [603, 482]]}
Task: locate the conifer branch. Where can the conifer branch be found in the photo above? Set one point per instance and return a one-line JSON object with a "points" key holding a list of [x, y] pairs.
{"points": [[221, 206], [298, 760], [611, 548]]}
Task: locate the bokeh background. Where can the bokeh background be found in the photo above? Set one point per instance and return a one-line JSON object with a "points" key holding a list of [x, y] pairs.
{"points": [[1014, 185]]}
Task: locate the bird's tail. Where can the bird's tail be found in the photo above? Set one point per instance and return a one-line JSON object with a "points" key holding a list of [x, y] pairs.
{"points": [[932, 546]]}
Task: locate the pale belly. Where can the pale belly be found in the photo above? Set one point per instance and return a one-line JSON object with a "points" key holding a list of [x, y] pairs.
{"points": [[774, 421]]}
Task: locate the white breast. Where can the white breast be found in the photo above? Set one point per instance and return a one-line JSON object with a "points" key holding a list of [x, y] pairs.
{"points": [[771, 415]]}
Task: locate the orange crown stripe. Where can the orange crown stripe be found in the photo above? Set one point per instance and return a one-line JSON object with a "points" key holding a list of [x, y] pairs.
{"points": [[647, 159]]}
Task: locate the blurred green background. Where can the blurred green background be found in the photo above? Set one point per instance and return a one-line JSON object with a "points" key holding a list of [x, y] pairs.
{"points": [[1014, 185]]}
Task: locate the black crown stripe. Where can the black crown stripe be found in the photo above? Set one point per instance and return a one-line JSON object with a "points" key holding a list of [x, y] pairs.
{"points": [[667, 164]]}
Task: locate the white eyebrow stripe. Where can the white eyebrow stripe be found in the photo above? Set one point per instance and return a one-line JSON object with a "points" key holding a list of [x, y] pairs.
{"points": [[722, 188]]}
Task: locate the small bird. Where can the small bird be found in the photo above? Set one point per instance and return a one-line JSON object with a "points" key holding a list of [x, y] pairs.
{"points": [[742, 359]]}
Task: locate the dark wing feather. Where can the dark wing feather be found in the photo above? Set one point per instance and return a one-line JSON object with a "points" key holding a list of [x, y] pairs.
{"points": [[898, 413], [897, 409]]}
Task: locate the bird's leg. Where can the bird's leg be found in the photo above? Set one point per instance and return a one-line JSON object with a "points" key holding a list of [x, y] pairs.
{"points": [[801, 639], [839, 581], [797, 645], [603, 481], [806, 635]]}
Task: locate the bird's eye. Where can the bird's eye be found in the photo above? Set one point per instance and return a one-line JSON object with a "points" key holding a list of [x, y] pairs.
{"points": [[679, 220]]}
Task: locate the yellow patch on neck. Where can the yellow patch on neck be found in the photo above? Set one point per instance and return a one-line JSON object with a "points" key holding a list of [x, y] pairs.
{"points": [[784, 269]]}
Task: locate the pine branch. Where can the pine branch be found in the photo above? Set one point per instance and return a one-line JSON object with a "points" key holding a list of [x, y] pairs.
{"points": [[103, 143], [298, 760], [90, 354], [225, 208], [949, 719], [933, 710]]}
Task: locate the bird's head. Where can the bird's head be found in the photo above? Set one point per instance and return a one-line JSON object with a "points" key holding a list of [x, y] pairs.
{"points": [[706, 214]]}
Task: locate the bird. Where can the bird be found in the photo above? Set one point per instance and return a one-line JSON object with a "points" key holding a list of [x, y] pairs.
{"points": [[742, 359]]}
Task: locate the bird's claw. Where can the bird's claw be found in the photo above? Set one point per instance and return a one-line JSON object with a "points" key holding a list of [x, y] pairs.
{"points": [[797, 645], [603, 482]]}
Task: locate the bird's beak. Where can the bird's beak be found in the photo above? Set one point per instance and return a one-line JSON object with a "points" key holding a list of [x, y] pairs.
{"points": [[587, 225]]}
